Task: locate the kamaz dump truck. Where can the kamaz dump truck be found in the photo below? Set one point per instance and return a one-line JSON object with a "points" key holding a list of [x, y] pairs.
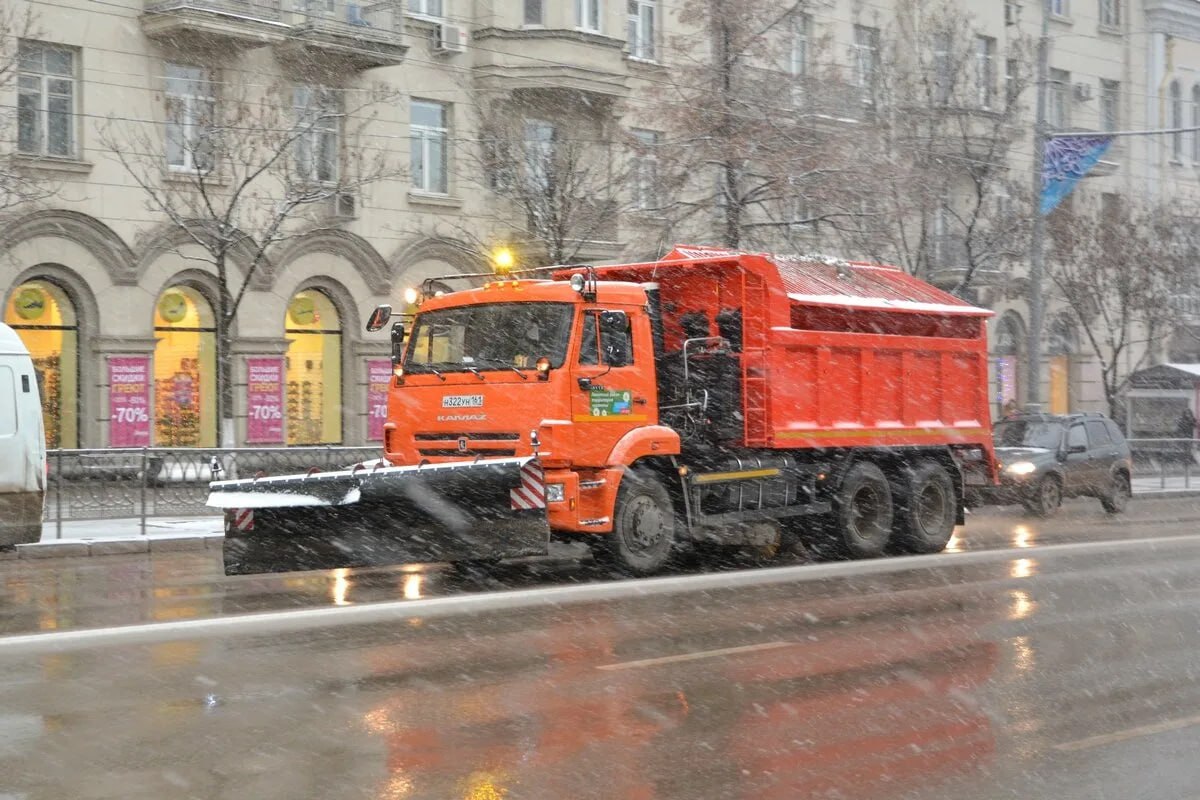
{"points": [[713, 397]]}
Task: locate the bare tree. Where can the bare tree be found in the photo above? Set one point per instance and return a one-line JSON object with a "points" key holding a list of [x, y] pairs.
{"points": [[949, 116], [555, 174], [241, 170], [20, 182], [760, 127], [1116, 269]]}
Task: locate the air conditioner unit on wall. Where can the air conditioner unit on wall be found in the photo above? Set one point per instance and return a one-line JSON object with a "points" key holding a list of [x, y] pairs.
{"points": [[1083, 92], [450, 39]]}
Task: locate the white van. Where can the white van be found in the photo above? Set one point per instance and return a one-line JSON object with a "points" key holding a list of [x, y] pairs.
{"points": [[22, 445]]}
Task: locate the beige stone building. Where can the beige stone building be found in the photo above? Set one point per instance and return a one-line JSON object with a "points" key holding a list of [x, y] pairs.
{"points": [[118, 302]]}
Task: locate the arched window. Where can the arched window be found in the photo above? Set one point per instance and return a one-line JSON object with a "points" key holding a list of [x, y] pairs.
{"points": [[1007, 348], [1176, 121], [314, 369], [44, 317], [185, 364]]}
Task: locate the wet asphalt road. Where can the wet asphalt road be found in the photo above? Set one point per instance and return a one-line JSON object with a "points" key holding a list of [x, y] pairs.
{"points": [[1040, 659]]}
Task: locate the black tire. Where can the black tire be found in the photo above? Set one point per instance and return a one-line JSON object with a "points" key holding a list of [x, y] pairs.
{"points": [[925, 510], [862, 514], [1046, 497], [1117, 499], [643, 531]]}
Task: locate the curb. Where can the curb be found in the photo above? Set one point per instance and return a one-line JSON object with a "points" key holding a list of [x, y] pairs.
{"points": [[75, 548]]}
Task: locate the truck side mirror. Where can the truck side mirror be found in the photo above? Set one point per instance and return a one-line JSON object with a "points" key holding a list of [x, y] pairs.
{"points": [[614, 321], [397, 342], [379, 318]]}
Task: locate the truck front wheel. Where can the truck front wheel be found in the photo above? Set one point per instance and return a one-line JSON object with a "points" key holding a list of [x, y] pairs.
{"points": [[925, 511], [862, 513], [643, 526]]}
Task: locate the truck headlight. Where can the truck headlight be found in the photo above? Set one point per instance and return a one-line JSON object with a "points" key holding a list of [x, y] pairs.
{"points": [[555, 493], [1021, 468]]}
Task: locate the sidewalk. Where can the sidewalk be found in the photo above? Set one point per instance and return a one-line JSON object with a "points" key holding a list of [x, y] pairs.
{"points": [[111, 536]]}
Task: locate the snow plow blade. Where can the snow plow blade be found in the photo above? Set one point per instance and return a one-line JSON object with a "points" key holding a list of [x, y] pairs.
{"points": [[459, 511]]}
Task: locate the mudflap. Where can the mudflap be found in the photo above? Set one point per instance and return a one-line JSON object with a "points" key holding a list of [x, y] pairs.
{"points": [[395, 515]]}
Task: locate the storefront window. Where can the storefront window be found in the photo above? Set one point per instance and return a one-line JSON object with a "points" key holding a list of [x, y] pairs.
{"points": [[185, 397], [44, 317], [1060, 347], [314, 370], [1007, 357]]}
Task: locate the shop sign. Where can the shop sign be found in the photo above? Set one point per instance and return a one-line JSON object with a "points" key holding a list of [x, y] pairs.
{"points": [[264, 400], [379, 377], [129, 401]]}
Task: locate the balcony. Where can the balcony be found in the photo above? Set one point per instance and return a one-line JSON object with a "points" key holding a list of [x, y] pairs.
{"points": [[359, 35], [236, 24], [552, 59]]}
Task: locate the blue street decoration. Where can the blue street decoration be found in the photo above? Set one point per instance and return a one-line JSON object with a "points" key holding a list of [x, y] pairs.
{"points": [[1068, 158]]}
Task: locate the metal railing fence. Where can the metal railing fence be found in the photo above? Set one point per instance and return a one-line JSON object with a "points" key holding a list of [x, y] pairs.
{"points": [[157, 481], [1165, 463]]}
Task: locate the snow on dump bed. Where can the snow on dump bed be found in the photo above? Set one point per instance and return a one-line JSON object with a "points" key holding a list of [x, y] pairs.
{"points": [[828, 281]]}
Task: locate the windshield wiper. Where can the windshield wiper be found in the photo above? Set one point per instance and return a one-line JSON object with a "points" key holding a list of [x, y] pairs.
{"points": [[501, 364], [474, 371]]}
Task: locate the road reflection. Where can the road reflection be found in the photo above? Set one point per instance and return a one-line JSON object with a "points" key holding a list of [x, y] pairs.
{"points": [[870, 710]]}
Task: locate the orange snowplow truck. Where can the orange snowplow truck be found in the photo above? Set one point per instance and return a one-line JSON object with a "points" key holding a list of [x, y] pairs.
{"points": [[712, 397]]}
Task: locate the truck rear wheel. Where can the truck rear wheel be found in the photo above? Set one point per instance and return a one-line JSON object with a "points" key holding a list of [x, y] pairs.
{"points": [[862, 513], [643, 526], [925, 512]]}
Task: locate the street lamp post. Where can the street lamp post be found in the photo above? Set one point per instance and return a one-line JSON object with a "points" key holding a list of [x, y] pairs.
{"points": [[1037, 240]]}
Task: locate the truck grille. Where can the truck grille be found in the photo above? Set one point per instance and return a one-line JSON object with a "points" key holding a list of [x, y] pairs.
{"points": [[471, 437], [481, 443], [455, 452]]}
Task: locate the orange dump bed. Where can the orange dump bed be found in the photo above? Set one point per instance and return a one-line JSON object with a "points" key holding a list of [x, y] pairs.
{"points": [[831, 353]]}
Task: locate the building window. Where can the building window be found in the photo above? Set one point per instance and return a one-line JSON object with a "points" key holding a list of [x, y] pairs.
{"points": [[1196, 124], [46, 100], [1110, 105], [645, 170], [643, 27], [1060, 8], [587, 15], [430, 138], [314, 370], [1110, 13], [185, 364], [1058, 99], [318, 122], [539, 155], [533, 13], [190, 108], [799, 210], [985, 71], [801, 40], [1012, 82], [44, 318], [866, 62], [1176, 121], [943, 73], [426, 8]]}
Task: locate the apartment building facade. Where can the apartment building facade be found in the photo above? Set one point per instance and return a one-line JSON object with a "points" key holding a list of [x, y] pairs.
{"points": [[118, 298]]}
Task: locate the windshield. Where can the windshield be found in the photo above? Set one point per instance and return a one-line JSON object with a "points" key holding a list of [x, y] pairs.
{"points": [[1046, 435], [493, 336]]}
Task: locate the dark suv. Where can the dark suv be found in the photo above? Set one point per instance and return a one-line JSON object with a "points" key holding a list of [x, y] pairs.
{"points": [[1046, 457]]}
